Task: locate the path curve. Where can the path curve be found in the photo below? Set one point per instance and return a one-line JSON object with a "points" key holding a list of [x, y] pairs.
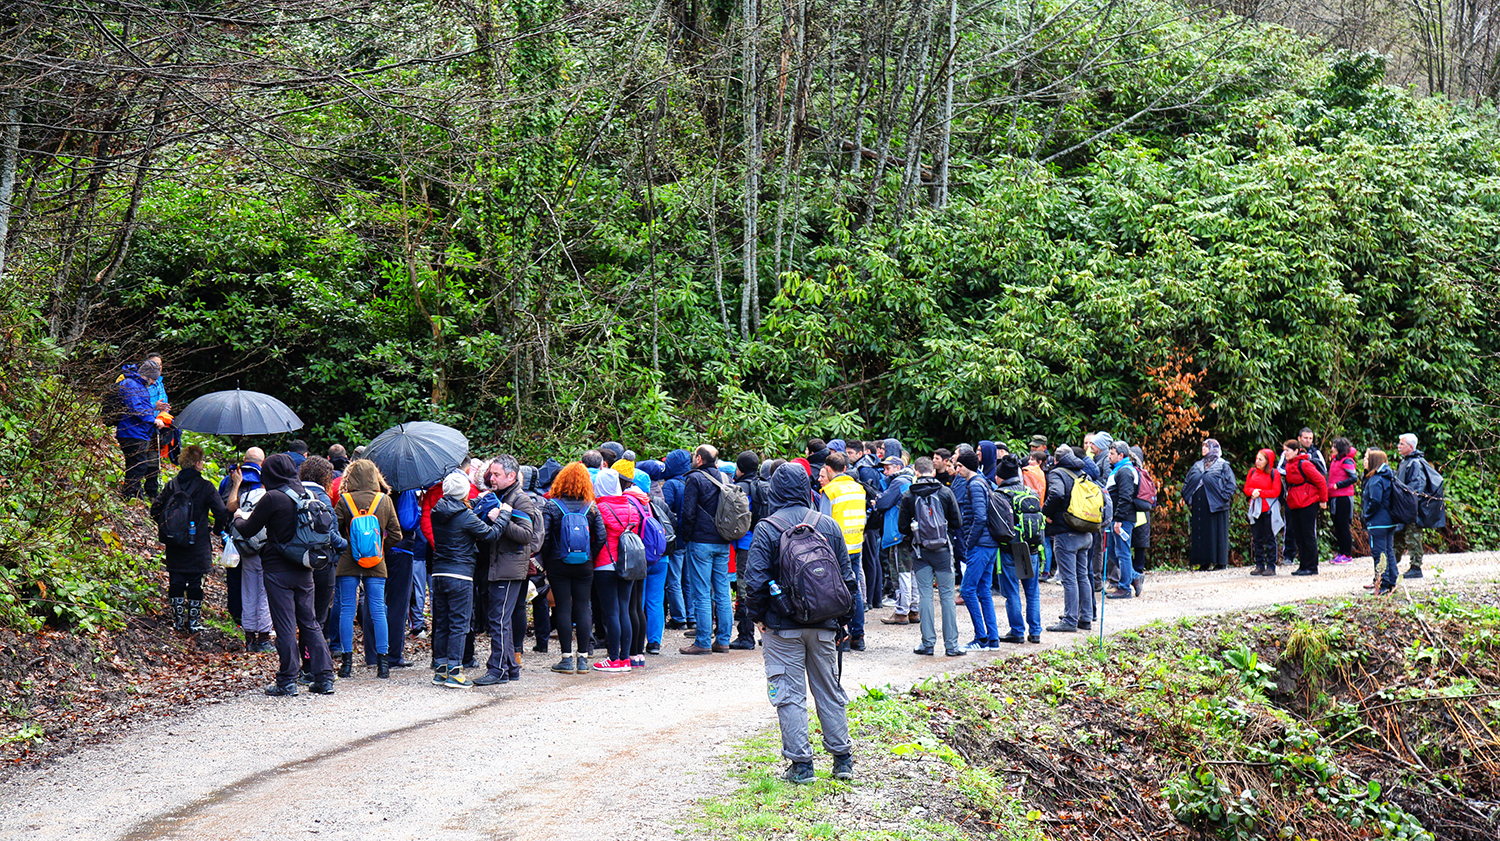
{"points": [[595, 756]]}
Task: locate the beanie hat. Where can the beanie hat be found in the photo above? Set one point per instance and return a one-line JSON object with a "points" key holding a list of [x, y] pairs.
{"points": [[456, 486], [1008, 468], [748, 463], [969, 459]]}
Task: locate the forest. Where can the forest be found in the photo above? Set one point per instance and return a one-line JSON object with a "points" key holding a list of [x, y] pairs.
{"points": [[750, 222]]}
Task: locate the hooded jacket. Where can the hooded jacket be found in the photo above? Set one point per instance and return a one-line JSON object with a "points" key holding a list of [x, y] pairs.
{"points": [[276, 512], [674, 472], [789, 495], [546, 473], [1375, 499], [924, 486], [1216, 481], [867, 468], [249, 480], [818, 459], [1305, 484], [888, 506], [1342, 475], [202, 500], [456, 532], [1060, 479], [989, 456], [1102, 440], [552, 545], [894, 448], [973, 496], [700, 500], [137, 412]]}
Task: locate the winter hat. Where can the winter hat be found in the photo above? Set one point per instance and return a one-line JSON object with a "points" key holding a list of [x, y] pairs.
{"points": [[606, 482], [804, 464], [456, 486], [969, 459], [747, 463], [150, 369], [838, 445], [1007, 468], [1039, 441]]}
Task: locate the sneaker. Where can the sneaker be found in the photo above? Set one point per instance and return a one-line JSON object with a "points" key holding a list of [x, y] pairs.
{"points": [[954, 652], [638, 662], [439, 675], [1414, 572], [1341, 559], [491, 678], [977, 645], [455, 679], [1305, 572], [612, 666], [282, 690], [563, 666], [322, 687], [1062, 628], [925, 650], [843, 767], [653, 648], [1085, 625], [801, 773]]}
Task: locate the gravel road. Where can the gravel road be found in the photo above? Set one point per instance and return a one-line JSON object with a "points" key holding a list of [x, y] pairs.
{"points": [[597, 756]]}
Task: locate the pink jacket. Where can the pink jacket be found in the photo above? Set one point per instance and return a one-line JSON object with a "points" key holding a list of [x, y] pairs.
{"points": [[1342, 470]]}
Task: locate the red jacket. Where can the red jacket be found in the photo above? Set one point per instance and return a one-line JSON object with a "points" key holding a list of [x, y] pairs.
{"points": [[1342, 470], [1306, 484], [1267, 481]]}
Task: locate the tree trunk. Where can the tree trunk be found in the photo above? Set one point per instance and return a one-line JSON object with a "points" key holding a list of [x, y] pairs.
{"points": [[11, 150]]}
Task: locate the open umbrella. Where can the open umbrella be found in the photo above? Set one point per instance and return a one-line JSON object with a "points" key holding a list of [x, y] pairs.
{"points": [[418, 454], [238, 413]]}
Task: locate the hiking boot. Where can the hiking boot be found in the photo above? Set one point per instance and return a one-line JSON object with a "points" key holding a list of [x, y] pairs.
{"points": [[282, 690], [719, 648], [1385, 591], [857, 643], [1085, 624], [1119, 593], [691, 633], [455, 679], [897, 619], [694, 649], [1260, 569], [843, 767], [263, 644], [439, 675], [913, 618], [1035, 639], [491, 678], [1138, 584], [323, 686], [179, 614], [194, 622], [1413, 572], [564, 666], [801, 773], [1062, 628], [743, 644], [305, 677], [383, 666], [346, 664], [954, 652]]}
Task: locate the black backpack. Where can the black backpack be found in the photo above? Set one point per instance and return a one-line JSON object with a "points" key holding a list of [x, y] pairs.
{"points": [[1000, 519], [810, 576], [177, 527], [932, 523], [1403, 504], [1432, 506], [312, 545]]}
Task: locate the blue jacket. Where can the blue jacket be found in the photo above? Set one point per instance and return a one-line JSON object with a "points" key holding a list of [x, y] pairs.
{"points": [[700, 500], [674, 469], [889, 505], [1375, 499], [137, 411], [157, 392], [974, 504]]}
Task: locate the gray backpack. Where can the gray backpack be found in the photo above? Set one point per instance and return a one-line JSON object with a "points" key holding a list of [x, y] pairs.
{"points": [[732, 517], [932, 523]]}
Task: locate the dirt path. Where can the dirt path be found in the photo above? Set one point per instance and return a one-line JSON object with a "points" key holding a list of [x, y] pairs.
{"points": [[595, 756]]}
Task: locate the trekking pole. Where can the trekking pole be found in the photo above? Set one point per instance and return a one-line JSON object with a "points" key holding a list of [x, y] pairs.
{"points": [[1103, 584]]}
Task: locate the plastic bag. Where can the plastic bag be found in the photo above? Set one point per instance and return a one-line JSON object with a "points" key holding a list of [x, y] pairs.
{"points": [[230, 557]]}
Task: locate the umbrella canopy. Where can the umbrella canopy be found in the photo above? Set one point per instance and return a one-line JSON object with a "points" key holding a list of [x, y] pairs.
{"points": [[418, 454], [238, 413]]}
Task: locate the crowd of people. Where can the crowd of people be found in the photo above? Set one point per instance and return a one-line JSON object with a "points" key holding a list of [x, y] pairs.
{"points": [[607, 552]]}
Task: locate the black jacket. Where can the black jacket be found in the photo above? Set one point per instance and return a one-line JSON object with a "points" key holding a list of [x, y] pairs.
{"points": [[700, 500], [276, 512], [1059, 488], [790, 490], [203, 499], [927, 486], [1123, 484], [456, 532], [552, 546]]}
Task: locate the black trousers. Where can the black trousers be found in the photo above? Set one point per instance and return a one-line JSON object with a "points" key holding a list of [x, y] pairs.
{"points": [[501, 598], [323, 596], [289, 594], [1262, 540], [575, 611], [141, 468], [637, 640], [1302, 526], [185, 585], [234, 600], [1343, 515]]}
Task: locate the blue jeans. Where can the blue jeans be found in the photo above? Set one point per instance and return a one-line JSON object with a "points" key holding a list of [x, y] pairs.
{"points": [[676, 586], [374, 603], [857, 624], [1383, 546], [1119, 551], [1014, 589], [708, 572], [656, 591], [979, 574], [452, 609]]}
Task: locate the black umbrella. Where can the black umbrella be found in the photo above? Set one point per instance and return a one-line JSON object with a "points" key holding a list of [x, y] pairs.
{"points": [[418, 454], [238, 413]]}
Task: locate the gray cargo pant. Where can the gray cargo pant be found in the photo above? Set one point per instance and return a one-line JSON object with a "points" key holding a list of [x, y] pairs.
{"points": [[795, 659], [1070, 557]]}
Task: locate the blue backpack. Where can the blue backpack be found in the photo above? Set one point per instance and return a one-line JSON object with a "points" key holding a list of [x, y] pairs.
{"points": [[365, 542], [652, 534], [409, 509], [574, 534]]}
